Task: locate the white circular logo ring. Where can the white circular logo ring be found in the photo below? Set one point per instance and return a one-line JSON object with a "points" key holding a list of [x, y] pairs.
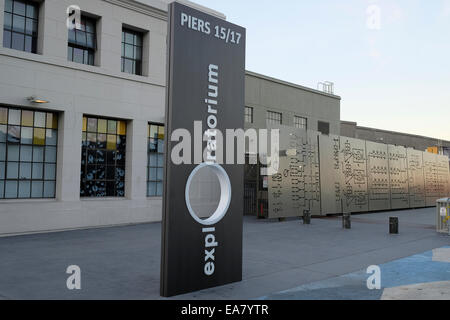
{"points": [[225, 194]]}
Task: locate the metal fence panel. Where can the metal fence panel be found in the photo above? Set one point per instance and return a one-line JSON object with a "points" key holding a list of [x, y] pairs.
{"points": [[378, 176], [398, 177]]}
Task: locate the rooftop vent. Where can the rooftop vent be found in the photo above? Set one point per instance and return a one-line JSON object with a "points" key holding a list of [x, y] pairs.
{"points": [[326, 86]]}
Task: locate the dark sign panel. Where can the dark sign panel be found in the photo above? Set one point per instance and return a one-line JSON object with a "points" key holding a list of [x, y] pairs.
{"points": [[206, 70]]}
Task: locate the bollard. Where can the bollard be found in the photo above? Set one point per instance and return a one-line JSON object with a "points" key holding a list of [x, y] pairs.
{"points": [[346, 221], [393, 225], [306, 218]]}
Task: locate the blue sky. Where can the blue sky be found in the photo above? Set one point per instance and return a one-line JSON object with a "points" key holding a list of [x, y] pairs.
{"points": [[395, 78]]}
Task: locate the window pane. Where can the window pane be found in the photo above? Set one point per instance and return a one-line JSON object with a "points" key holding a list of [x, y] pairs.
{"points": [[129, 51], [38, 170], [37, 189], [9, 5], [152, 174], [151, 189], [6, 39], [90, 41], [26, 135], [39, 136], [72, 36], [51, 137], [49, 189], [38, 154], [81, 37], [90, 26], [2, 151], [159, 191], [31, 27], [12, 170], [32, 12], [77, 55], [129, 38], [25, 170], [121, 127], [8, 21], [52, 121], [26, 153], [18, 41], [2, 189], [128, 66], [13, 152], [111, 143], [50, 172], [138, 40], [92, 125], [11, 190], [27, 118], [138, 53], [14, 117], [2, 170], [39, 119], [19, 8], [3, 133], [70, 53], [112, 126], [14, 134], [102, 126], [3, 116], [18, 23], [24, 189], [50, 154]]}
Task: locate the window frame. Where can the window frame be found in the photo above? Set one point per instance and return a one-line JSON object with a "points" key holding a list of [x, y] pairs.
{"points": [[25, 34], [123, 58], [50, 124], [157, 166], [274, 120], [299, 125], [248, 114], [96, 149], [89, 52]]}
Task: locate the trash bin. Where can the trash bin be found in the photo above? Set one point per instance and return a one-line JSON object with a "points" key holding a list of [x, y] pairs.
{"points": [[443, 215]]}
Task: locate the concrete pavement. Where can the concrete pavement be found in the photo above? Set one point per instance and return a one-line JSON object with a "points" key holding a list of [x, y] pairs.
{"points": [[124, 262]]}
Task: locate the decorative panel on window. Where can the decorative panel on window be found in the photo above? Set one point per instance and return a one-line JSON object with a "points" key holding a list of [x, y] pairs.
{"points": [[103, 157], [20, 26], [28, 142], [155, 170], [83, 42], [131, 52]]}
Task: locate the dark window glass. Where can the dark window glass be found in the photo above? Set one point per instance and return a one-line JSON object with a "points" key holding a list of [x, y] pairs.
{"points": [[103, 158], [324, 127], [27, 153], [83, 42], [131, 52], [155, 170], [20, 27]]}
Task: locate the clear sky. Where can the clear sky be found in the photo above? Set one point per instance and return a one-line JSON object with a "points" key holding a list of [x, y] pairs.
{"points": [[396, 77]]}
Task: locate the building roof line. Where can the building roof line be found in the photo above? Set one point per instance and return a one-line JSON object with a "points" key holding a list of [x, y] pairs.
{"points": [[394, 132], [290, 84]]}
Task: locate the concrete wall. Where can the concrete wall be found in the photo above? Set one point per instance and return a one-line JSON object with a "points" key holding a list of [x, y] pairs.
{"points": [[268, 94], [352, 130], [74, 90]]}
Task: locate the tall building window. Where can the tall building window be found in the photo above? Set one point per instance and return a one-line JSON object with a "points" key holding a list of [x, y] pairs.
{"points": [[103, 158], [323, 127], [131, 52], [300, 122], [155, 160], [28, 141], [20, 28], [249, 114], [83, 42], [274, 117]]}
